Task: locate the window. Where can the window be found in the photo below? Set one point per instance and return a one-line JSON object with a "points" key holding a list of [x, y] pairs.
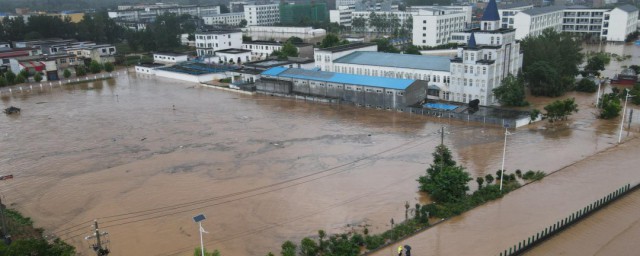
{"points": [[484, 70]]}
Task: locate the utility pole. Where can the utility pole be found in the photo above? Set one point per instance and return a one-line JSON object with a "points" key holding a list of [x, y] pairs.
{"points": [[97, 247], [442, 136]]}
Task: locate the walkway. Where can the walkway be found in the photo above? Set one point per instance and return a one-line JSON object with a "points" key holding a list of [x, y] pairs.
{"points": [[489, 229]]}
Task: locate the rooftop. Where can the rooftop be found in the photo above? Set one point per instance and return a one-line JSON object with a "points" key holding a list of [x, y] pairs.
{"points": [[272, 43], [543, 10], [332, 77], [347, 47], [150, 65], [175, 54], [514, 5], [233, 51], [194, 68], [628, 8], [226, 14], [218, 32], [423, 62]]}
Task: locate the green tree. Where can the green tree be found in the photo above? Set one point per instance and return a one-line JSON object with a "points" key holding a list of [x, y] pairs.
{"points": [[330, 40], [445, 182], [295, 40], [10, 76], [20, 79], [24, 73], [37, 247], [289, 50], [511, 92], [412, 49], [551, 62], [560, 109], [108, 67], [358, 24], [37, 77], [66, 73], [3, 81], [95, 67], [81, 71], [385, 46], [596, 63], [586, 85], [308, 247], [288, 248], [480, 181], [198, 252], [635, 91], [489, 178], [610, 106], [243, 23]]}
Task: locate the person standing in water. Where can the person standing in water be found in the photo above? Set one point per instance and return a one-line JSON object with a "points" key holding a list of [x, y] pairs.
{"points": [[400, 250]]}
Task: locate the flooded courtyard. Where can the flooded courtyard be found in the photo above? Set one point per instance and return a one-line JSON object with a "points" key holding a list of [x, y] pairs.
{"points": [[144, 155]]}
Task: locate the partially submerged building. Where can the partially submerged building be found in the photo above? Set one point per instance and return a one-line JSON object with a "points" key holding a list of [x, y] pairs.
{"points": [[368, 91]]}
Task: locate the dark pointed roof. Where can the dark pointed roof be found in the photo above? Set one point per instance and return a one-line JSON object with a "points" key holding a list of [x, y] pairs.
{"points": [[491, 12], [472, 41]]}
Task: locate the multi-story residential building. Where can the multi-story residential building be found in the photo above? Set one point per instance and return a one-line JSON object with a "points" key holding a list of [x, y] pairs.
{"points": [[208, 42], [605, 24], [232, 19], [403, 18], [432, 27], [149, 13], [509, 11], [295, 14], [324, 57], [342, 15], [262, 15], [345, 3], [375, 6], [263, 49], [533, 21], [467, 9]]}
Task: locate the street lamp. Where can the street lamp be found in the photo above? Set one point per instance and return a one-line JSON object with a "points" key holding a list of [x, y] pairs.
{"points": [[624, 111], [198, 219], [504, 152]]}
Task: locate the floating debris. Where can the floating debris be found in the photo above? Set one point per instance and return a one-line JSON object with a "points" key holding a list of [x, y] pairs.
{"points": [[12, 110]]}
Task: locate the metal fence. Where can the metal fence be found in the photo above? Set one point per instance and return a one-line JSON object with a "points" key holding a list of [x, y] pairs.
{"points": [[539, 237], [27, 88]]}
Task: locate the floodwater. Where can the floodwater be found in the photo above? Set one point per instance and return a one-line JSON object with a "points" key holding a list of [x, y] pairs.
{"points": [[262, 169], [616, 66], [614, 230]]}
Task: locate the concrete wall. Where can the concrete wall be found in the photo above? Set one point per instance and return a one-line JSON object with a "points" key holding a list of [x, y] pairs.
{"points": [[190, 78]]}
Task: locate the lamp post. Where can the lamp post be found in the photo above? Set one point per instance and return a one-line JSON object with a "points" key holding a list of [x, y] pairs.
{"points": [[598, 95], [624, 111], [504, 152], [198, 219]]}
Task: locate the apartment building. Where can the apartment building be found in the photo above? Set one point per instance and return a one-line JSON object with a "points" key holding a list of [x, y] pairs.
{"points": [[262, 15], [208, 42], [432, 27], [232, 19]]}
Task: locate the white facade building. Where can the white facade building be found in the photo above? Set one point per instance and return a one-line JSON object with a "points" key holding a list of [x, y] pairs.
{"points": [[262, 15], [532, 22], [149, 13], [345, 3], [605, 24], [233, 19], [509, 11], [403, 17], [168, 57], [324, 57], [342, 15], [237, 56], [280, 33], [207, 42], [490, 54], [432, 27], [434, 69], [263, 49], [467, 9]]}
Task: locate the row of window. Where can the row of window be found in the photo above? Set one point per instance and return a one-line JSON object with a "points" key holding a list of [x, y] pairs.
{"points": [[210, 37], [392, 74]]}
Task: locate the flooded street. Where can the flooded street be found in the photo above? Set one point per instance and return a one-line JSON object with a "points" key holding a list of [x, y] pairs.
{"points": [[614, 230], [262, 169]]}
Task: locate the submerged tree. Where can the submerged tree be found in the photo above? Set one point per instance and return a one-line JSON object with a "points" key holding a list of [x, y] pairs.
{"points": [[511, 92], [445, 182]]}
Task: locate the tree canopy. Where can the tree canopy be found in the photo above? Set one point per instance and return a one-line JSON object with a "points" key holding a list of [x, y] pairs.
{"points": [[551, 62], [444, 181], [561, 109], [331, 40], [385, 46], [511, 92]]}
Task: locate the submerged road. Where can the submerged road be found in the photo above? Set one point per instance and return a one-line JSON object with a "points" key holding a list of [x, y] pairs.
{"points": [[491, 228]]}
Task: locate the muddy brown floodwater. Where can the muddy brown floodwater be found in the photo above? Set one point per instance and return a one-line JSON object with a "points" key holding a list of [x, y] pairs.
{"points": [[262, 169]]}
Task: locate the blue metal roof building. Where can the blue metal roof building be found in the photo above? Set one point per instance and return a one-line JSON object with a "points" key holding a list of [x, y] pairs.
{"points": [[332, 77], [421, 62], [361, 90]]}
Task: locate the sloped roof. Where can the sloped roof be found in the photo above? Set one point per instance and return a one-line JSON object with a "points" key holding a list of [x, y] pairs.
{"points": [[543, 10], [627, 8], [332, 77], [472, 41], [422, 62], [491, 12]]}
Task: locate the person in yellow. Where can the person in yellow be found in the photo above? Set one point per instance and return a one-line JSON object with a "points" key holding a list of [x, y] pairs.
{"points": [[400, 250]]}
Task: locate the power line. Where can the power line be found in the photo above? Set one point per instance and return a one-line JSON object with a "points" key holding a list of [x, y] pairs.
{"points": [[193, 203]]}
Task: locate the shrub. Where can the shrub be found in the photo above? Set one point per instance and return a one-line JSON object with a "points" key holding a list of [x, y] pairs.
{"points": [[66, 73], [489, 178], [81, 71], [37, 77], [533, 176], [586, 85], [20, 79], [95, 67], [519, 173], [108, 67]]}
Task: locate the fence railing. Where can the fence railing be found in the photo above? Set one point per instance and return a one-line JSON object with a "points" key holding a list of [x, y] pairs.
{"points": [[539, 237], [25, 88]]}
